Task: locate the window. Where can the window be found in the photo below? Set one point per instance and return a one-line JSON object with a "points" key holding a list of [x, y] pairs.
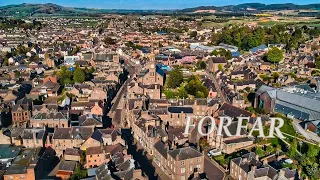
{"points": [[183, 170], [182, 163]]}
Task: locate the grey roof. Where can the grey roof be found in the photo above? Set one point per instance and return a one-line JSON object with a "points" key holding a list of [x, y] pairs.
{"points": [[233, 111], [263, 89], [103, 173], [53, 116], [184, 153], [218, 60], [67, 165], [98, 134], [90, 120], [180, 109], [22, 161], [161, 148], [75, 132], [103, 57], [29, 133], [247, 161], [299, 99]]}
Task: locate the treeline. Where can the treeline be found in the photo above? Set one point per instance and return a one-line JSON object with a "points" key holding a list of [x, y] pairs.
{"points": [[246, 38], [18, 23]]}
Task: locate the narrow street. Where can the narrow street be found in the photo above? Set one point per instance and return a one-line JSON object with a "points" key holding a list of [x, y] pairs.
{"points": [[217, 86], [116, 112], [139, 155]]}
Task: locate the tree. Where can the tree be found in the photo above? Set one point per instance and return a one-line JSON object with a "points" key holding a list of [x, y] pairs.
{"points": [[5, 61], [79, 76], [182, 92], [293, 148], [193, 34], [74, 51], [259, 151], [78, 174], [215, 53], [274, 55], [199, 94], [201, 65], [312, 171], [313, 151], [318, 62], [220, 67], [175, 78], [196, 88], [228, 55], [269, 149], [170, 94], [109, 40], [64, 75]]}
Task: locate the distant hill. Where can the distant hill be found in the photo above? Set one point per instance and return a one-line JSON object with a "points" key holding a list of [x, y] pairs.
{"points": [[43, 9], [49, 9], [254, 6]]}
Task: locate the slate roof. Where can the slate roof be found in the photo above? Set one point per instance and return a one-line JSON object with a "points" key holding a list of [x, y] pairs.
{"points": [[90, 120], [23, 103], [103, 57], [184, 153], [72, 152], [233, 111], [103, 173], [180, 109], [247, 161], [218, 60], [28, 133], [67, 165], [53, 116], [75, 132], [98, 134], [161, 148]]}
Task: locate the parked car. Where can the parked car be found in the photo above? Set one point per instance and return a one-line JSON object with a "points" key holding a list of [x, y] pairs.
{"points": [[214, 152]]}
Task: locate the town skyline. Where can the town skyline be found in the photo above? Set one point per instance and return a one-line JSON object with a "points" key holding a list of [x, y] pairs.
{"points": [[151, 5]]}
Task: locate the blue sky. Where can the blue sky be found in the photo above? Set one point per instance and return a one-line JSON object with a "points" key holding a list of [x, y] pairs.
{"points": [[150, 4]]}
